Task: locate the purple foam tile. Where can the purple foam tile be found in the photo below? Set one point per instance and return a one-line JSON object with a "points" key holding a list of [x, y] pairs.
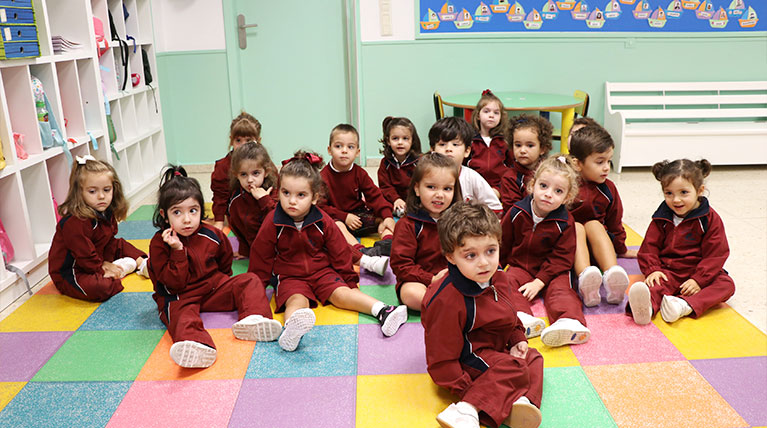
{"points": [[22, 354], [740, 381], [235, 243], [367, 278], [218, 319], [606, 308], [616, 339], [630, 265], [321, 402], [403, 353]]}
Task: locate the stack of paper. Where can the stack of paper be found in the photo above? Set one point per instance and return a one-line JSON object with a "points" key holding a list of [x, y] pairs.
{"points": [[61, 45]]}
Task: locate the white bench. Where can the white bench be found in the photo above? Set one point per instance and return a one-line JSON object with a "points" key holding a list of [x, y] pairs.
{"points": [[724, 122]]}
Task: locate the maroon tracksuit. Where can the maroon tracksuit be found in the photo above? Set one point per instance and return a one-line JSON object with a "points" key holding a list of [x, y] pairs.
{"points": [[313, 261], [80, 246], [198, 278], [695, 249], [346, 191], [601, 202], [246, 214], [394, 177], [514, 185], [468, 334], [492, 161], [416, 254], [546, 252], [219, 184]]}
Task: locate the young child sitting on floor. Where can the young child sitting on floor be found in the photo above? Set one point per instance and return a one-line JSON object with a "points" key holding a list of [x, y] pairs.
{"points": [[401, 150]]}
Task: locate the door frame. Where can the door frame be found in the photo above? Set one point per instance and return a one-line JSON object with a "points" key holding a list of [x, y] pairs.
{"points": [[351, 66]]}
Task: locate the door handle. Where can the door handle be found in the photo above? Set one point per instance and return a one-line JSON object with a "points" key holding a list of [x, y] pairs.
{"points": [[241, 27]]}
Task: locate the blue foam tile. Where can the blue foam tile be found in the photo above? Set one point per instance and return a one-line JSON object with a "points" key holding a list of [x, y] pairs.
{"points": [[64, 404], [125, 311], [327, 350], [138, 229]]}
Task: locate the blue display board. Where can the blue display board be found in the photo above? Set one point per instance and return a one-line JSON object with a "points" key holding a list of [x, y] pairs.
{"points": [[531, 16]]}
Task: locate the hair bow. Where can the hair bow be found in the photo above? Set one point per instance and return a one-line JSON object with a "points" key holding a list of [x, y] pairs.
{"points": [[82, 160], [177, 174], [309, 157], [487, 92], [562, 159]]}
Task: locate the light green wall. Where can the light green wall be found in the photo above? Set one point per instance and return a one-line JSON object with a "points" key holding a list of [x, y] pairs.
{"points": [[195, 105]]}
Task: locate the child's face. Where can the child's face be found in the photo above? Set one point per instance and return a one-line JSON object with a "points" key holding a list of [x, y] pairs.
{"points": [[251, 175], [97, 190], [435, 190], [681, 196], [477, 258], [296, 197], [549, 192], [238, 141], [595, 167], [400, 141], [489, 116], [526, 147], [343, 149], [184, 217], [454, 149]]}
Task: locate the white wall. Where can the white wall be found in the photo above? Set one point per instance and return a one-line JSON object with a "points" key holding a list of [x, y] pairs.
{"points": [[402, 20], [188, 25]]}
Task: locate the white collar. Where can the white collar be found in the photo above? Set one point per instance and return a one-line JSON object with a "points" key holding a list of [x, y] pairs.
{"points": [[336, 170]]}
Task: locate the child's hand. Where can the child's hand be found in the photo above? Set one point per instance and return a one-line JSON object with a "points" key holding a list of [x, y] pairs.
{"points": [[653, 279], [260, 192], [439, 274], [531, 289], [171, 238], [387, 223], [111, 270], [218, 225], [400, 205], [519, 350], [629, 254], [689, 287], [353, 222], [497, 193]]}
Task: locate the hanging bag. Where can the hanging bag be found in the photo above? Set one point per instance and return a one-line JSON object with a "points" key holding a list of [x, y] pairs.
{"points": [[7, 254], [50, 133], [123, 50]]}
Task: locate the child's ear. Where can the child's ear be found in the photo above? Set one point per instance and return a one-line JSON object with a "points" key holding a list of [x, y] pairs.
{"points": [[577, 165], [315, 198], [701, 189], [450, 258], [468, 150], [162, 213]]}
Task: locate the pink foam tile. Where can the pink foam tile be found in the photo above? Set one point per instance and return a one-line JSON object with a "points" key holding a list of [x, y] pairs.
{"points": [[616, 339], [538, 309], [179, 403]]}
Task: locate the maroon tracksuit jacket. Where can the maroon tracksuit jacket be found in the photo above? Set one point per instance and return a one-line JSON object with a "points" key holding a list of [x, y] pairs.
{"points": [[416, 254], [491, 162], [468, 333], [695, 249], [394, 177], [219, 184], [514, 185], [80, 246], [546, 252], [346, 191], [246, 214], [601, 202], [198, 278]]}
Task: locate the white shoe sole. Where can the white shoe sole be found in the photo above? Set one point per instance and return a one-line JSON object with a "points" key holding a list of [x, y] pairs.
{"points": [[588, 289], [535, 328], [616, 283], [524, 415], [394, 321], [259, 330], [640, 303], [192, 354], [301, 322], [560, 336]]}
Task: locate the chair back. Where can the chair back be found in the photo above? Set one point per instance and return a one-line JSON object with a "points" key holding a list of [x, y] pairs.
{"points": [[583, 109], [439, 109]]}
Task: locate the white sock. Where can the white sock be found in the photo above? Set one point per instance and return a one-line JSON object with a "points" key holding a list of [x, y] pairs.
{"points": [[525, 318], [377, 306], [523, 400]]}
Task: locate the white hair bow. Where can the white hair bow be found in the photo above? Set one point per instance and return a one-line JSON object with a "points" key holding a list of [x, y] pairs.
{"points": [[562, 159], [82, 160]]}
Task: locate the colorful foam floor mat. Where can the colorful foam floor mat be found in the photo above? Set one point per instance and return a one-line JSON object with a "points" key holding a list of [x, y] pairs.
{"points": [[68, 363]]}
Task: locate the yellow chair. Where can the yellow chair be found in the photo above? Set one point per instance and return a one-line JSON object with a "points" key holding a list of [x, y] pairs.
{"points": [[439, 109], [581, 110]]}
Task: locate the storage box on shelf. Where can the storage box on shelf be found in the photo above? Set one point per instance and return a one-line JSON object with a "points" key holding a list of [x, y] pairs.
{"points": [[76, 84], [18, 32]]}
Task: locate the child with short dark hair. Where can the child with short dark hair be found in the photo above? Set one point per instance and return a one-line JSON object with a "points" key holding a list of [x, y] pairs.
{"points": [[191, 269], [598, 213], [475, 345], [401, 150], [530, 143], [451, 136], [490, 156]]}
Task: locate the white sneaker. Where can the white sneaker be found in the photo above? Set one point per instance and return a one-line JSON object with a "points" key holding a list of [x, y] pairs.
{"points": [[616, 282], [190, 354], [257, 328], [672, 308], [565, 331], [375, 264], [399, 212], [455, 417], [588, 286], [533, 326], [126, 264], [300, 323], [640, 303], [524, 414], [143, 268]]}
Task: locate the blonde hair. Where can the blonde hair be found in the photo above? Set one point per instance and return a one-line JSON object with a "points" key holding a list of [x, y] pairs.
{"points": [[503, 125], [466, 219], [75, 204], [562, 165]]}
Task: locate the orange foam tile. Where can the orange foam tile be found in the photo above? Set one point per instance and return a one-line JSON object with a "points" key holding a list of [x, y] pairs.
{"points": [[8, 390], [719, 333], [48, 313], [48, 288], [232, 360], [406, 400], [667, 394], [326, 315], [135, 283]]}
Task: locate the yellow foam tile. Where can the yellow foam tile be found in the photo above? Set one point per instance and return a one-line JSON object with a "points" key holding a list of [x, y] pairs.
{"points": [[632, 238], [719, 333], [416, 398], [368, 241], [8, 390], [135, 283], [561, 356], [49, 312], [326, 315], [141, 244], [209, 210]]}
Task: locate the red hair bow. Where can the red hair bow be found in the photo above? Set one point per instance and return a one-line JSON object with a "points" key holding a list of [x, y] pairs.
{"points": [[310, 157], [487, 92]]}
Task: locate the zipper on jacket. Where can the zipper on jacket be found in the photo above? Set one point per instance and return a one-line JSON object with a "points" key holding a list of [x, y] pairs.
{"points": [[495, 293]]}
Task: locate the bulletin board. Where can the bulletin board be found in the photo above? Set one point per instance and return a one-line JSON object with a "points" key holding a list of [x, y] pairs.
{"points": [[597, 16]]}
